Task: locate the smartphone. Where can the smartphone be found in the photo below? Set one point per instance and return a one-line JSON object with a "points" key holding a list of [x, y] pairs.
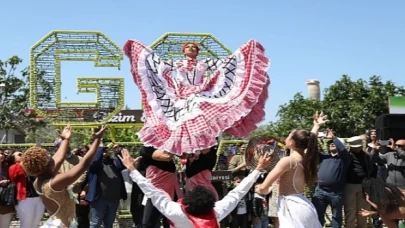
{"points": [[384, 142]]}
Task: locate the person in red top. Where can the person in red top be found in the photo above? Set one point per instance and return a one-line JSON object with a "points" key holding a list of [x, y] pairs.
{"points": [[30, 208]]}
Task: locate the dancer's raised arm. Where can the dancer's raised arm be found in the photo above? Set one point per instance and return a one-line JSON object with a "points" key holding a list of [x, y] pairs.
{"points": [[63, 180], [60, 154], [319, 120], [301, 140]]}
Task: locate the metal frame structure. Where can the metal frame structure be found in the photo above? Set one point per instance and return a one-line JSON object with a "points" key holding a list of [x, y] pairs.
{"points": [[169, 45], [45, 58]]}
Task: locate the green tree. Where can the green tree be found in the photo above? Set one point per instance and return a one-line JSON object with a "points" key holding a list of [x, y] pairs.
{"points": [[14, 96], [354, 105], [267, 129], [45, 134], [127, 135], [80, 137], [297, 113]]}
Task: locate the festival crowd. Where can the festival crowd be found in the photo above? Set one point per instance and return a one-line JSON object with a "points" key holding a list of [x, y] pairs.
{"points": [[88, 183], [183, 115]]}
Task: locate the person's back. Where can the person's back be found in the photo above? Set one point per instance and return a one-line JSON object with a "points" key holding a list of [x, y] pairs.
{"points": [[292, 181], [293, 173], [60, 204], [54, 187]]}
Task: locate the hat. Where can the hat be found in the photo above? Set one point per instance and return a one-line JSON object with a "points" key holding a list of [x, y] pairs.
{"points": [[355, 142], [259, 145]]}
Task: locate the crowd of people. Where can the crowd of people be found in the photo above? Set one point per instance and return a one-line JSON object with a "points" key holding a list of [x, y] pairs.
{"points": [[83, 187]]}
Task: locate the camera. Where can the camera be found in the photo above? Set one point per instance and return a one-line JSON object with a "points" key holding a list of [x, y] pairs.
{"points": [[384, 142]]}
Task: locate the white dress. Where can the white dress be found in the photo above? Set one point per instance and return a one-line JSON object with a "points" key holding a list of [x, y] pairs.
{"points": [[295, 210]]}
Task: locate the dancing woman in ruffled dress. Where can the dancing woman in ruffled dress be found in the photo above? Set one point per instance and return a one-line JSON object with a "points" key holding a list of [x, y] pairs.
{"points": [[186, 112], [292, 174]]}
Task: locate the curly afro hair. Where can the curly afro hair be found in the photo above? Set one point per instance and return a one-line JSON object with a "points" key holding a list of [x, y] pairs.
{"points": [[35, 161], [388, 198], [200, 200]]}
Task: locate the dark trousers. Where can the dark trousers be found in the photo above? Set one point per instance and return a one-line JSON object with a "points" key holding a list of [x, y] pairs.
{"points": [[240, 221], [103, 212], [136, 205], [82, 214], [322, 200], [152, 217]]}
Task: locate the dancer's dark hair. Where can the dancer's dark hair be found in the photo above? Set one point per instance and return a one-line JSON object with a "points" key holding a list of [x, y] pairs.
{"points": [[388, 198], [199, 201], [305, 139]]}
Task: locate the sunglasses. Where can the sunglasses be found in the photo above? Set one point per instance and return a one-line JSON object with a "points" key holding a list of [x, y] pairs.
{"points": [[18, 154], [399, 145]]}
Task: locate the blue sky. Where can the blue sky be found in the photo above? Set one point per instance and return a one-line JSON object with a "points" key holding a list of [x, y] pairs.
{"points": [[312, 39]]}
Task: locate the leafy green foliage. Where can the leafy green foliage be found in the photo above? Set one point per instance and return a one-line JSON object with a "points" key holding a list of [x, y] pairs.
{"points": [[352, 107], [14, 96], [45, 134], [127, 135], [297, 113]]}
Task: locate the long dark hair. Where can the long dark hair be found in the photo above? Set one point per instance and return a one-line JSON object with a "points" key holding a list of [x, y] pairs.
{"points": [[388, 198], [305, 139], [4, 167]]}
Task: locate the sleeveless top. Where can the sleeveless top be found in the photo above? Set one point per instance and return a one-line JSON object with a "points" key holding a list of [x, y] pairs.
{"points": [[66, 211], [286, 183]]}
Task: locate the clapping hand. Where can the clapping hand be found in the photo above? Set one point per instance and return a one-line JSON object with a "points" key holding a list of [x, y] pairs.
{"points": [[66, 133]]}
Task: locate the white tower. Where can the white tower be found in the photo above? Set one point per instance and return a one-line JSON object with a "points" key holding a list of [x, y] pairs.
{"points": [[314, 90]]}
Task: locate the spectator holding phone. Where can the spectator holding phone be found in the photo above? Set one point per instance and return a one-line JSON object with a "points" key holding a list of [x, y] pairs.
{"points": [[395, 161]]}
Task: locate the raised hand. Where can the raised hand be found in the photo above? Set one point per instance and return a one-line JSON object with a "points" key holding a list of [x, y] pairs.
{"points": [[320, 119], [66, 133], [391, 144], [128, 161], [264, 162], [100, 133]]}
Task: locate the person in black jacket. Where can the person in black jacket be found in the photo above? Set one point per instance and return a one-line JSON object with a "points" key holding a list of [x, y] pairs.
{"points": [[241, 217], [260, 210]]}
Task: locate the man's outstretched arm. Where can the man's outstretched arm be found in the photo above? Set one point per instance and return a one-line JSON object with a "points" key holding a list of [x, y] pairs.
{"points": [[164, 204]]}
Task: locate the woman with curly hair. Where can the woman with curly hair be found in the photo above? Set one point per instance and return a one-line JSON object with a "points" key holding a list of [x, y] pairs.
{"points": [[387, 200], [54, 188], [292, 174]]}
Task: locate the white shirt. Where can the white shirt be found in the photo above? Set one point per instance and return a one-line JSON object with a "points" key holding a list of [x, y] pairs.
{"points": [[172, 210], [242, 207]]}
